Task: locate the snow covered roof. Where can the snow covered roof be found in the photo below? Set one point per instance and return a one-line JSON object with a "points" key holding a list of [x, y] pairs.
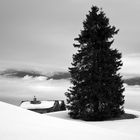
{"points": [[37, 104], [41, 105]]}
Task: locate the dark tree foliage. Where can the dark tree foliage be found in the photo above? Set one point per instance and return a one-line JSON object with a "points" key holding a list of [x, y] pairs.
{"points": [[62, 106], [97, 91]]}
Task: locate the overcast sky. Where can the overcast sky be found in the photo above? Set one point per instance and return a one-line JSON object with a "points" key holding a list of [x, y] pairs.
{"points": [[40, 33]]}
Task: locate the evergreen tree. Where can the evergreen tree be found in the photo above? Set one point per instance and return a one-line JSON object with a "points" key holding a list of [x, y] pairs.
{"points": [[97, 91], [62, 106]]}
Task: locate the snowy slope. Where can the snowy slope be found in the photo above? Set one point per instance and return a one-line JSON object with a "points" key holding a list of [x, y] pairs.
{"points": [[20, 124], [126, 126]]}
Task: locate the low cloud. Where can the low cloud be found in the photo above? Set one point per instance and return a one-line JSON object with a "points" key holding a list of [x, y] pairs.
{"points": [[18, 89], [131, 65]]}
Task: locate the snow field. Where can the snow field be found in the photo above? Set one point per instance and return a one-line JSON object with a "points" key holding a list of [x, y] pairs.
{"points": [[20, 124]]}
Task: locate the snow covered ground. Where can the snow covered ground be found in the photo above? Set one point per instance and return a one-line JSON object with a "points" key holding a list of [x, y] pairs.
{"points": [[126, 126], [20, 124]]}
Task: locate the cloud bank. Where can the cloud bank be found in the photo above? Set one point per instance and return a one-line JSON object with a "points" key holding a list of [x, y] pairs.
{"points": [[14, 90], [131, 65]]}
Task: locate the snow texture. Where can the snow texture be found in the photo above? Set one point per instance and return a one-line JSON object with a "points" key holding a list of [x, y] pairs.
{"points": [[20, 124], [126, 126]]}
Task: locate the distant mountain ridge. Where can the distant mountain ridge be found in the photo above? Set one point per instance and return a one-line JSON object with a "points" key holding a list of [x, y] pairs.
{"points": [[54, 75], [132, 81], [22, 73], [60, 75]]}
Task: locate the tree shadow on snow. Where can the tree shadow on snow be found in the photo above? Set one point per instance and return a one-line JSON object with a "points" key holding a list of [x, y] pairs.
{"points": [[124, 117]]}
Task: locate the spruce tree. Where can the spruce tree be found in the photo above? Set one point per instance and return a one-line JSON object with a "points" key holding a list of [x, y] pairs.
{"points": [[97, 87]]}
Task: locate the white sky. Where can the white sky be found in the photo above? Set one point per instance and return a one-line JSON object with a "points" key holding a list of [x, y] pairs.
{"points": [[41, 32]]}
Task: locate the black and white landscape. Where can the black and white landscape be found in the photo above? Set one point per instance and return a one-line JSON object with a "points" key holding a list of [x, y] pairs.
{"points": [[36, 50]]}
